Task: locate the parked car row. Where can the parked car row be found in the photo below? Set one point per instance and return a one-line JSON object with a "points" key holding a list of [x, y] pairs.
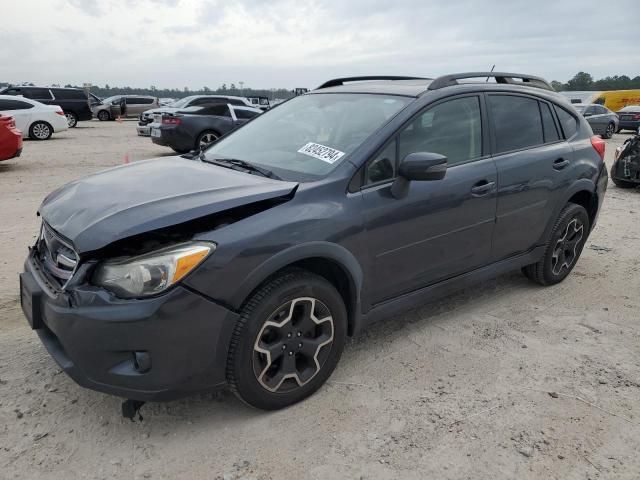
{"points": [[604, 122]]}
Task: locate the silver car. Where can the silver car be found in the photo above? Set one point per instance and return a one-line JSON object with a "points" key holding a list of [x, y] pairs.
{"points": [[603, 121], [114, 107]]}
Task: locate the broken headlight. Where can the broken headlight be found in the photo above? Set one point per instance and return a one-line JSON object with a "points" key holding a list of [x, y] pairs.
{"points": [[150, 273]]}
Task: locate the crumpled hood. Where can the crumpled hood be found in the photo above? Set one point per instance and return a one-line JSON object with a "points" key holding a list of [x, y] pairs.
{"points": [[144, 196]]}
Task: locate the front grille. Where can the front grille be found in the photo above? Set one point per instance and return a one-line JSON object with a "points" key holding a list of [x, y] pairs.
{"points": [[56, 255]]}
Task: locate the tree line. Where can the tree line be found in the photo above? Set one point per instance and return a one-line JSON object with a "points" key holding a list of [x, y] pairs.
{"points": [[584, 81]]}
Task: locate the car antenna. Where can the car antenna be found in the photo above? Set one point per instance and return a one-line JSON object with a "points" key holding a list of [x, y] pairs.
{"points": [[492, 68]]}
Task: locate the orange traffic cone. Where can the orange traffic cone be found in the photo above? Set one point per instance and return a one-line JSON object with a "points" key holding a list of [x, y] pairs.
{"points": [[119, 119]]}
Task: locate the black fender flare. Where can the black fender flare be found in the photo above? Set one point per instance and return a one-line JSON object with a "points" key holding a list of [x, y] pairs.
{"points": [[583, 184], [325, 250]]}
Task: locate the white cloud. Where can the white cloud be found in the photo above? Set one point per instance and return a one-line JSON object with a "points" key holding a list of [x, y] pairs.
{"points": [[176, 43]]}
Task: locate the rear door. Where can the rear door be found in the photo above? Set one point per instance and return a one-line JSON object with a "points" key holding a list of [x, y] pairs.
{"points": [[440, 228], [20, 111], [137, 105], [532, 160]]}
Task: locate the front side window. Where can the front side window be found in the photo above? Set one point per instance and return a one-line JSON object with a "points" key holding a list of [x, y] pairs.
{"points": [[383, 166], [516, 122], [452, 128], [307, 137], [219, 109]]}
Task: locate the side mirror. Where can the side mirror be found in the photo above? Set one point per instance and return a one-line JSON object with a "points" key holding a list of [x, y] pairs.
{"points": [[419, 166]]}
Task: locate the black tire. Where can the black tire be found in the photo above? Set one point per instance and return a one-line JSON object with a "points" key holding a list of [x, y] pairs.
{"points": [[278, 311], [72, 119], [618, 182], [610, 130], [205, 139], [564, 247], [40, 130], [104, 116]]}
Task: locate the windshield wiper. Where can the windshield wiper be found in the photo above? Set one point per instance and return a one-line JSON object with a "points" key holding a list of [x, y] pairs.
{"points": [[240, 165]]}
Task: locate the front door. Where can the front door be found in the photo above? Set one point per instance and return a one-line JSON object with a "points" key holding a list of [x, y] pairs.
{"points": [[440, 228]]}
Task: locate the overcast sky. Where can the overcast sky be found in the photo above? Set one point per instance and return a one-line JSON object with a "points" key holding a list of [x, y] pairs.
{"points": [[300, 43]]}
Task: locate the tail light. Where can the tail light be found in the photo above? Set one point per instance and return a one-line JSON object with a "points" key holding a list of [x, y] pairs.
{"points": [[598, 145], [636, 116], [171, 121], [60, 112]]}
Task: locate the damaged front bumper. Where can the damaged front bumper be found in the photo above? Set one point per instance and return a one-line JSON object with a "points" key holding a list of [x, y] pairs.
{"points": [[627, 168], [159, 348]]}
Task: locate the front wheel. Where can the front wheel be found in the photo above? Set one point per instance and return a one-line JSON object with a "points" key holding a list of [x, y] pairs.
{"points": [[288, 340], [104, 116], [72, 119], [565, 245]]}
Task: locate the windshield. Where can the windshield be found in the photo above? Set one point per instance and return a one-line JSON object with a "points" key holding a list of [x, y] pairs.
{"points": [[112, 99], [182, 102], [307, 137]]}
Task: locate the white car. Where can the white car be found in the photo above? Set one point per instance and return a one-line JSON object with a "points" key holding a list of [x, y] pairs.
{"points": [[34, 119]]}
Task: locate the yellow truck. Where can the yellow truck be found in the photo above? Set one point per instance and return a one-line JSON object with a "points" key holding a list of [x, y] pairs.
{"points": [[614, 100]]}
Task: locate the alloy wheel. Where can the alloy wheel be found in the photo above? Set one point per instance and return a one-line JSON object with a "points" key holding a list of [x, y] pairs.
{"points": [[565, 251], [41, 131], [610, 130], [293, 345], [207, 139], [71, 120]]}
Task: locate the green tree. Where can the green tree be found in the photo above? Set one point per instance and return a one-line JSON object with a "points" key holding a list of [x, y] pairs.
{"points": [[557, 86], [581, 81]]}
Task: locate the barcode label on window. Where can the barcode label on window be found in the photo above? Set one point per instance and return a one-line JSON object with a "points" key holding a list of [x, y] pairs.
{"points": [[321, 152]]}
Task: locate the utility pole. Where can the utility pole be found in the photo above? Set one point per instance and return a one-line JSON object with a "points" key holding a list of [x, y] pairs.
{"points": [[241, 83]]}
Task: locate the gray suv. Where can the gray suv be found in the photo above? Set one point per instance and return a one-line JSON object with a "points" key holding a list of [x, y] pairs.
{"points": [[123, 106], [248, 264]]}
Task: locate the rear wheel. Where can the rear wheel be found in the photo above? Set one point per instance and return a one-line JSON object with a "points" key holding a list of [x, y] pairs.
{"points": [[564, 247], [104, 116], [205, 139], [288, 340], [72, 119], [609, 131], [40, 130]]}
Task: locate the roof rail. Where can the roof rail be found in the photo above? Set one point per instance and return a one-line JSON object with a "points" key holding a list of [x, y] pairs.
{"points": [[501, 77], [336, 82]]}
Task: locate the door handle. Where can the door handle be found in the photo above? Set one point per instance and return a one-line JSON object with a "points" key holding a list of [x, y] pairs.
{"points": [[482, 188], [560, 163]]}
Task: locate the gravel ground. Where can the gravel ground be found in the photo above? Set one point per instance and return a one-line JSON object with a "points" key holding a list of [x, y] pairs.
{"points": [[504, 380]]}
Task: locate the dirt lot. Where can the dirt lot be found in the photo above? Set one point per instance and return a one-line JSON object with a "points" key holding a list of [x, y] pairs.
{"points": [[459, 388]]}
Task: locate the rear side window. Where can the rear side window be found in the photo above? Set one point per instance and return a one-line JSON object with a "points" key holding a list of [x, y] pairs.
{"points": [[245, 114], [548, 125], [233, 101], [516, 121], [14, 105], [568, 122], [220, 109], [64, 94], [139, 101], [205, 100], [37, 93]]}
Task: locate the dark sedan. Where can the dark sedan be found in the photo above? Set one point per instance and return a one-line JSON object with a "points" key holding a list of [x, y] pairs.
{"points": [[629, 118], [603, 121], [194, 129]]}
